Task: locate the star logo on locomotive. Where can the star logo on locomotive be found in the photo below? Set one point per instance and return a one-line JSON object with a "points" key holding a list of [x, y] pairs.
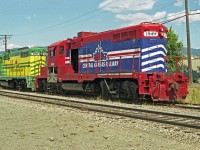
{"points": [[99, 54]]}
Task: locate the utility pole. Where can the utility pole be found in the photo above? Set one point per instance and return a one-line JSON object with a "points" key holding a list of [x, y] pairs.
{"points": [[188, 42], [5, 40]]}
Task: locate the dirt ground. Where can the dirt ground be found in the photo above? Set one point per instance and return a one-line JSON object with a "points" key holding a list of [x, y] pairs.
{"points": [[34, 126]]}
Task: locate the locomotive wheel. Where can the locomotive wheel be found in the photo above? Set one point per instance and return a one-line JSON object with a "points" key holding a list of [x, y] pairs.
{"points": [[135, 90], [18, 86], [133, 87], [60, 89], [42, 86], [23, 85], [131, 90], [104, 91]]}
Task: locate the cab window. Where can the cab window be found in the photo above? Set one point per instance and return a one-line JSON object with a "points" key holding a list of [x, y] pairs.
{"points": [[50, 69], [52, 52], [61, 49], [53, 70]]}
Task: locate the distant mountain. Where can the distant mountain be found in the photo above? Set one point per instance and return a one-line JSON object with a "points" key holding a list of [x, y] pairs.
{"points": [[194, 52]]}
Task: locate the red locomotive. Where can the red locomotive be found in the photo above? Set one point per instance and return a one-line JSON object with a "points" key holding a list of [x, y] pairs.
{"points": [[125, 63]]}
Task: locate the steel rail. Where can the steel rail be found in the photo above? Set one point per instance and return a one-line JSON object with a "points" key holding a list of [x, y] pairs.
{"points": [[186, 106]]}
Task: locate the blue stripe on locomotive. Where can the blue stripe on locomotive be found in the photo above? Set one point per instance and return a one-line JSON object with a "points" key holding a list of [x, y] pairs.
{"points": [[108, 47]]}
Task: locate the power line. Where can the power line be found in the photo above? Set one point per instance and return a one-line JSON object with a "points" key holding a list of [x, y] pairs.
{"points": [[195, 14], [167, 21], [171, 20], [53, 27], [82, 20], [168, 16], [148, 1], [67, 21]]}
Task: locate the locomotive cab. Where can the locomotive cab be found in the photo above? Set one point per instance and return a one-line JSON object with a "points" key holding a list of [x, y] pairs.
{"points": [[62, 61], [56, 60]]}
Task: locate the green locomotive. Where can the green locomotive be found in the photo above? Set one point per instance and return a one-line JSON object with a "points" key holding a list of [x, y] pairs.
{"points": [[20, 66]]}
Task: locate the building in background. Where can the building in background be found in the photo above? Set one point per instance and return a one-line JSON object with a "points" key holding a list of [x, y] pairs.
{"points": [[195, 63]]}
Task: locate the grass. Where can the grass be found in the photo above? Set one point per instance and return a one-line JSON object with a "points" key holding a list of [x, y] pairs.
{"points": [[194, 94]]}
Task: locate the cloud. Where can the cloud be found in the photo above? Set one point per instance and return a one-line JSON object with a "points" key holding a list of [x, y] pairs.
{"points": [[133, 19], [127, 5], [179, 3], [193, 18], [9, 46], [160, 16]]}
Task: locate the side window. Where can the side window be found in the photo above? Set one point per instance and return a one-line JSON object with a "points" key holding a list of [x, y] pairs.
{"points": [[50, 69], [61, 49], [52, 52]]}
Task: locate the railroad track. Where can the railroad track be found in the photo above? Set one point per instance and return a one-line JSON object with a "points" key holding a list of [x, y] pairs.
{"points": [[177, 105], [188, 121]]}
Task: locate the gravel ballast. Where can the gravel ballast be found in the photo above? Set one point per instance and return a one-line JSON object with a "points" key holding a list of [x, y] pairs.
{"points": [[30, 125]]}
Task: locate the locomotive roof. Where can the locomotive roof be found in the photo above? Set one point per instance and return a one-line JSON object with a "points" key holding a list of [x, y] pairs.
{"points": [[108, 34], [18, 50]]}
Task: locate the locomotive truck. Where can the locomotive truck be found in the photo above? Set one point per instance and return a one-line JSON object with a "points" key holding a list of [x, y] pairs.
{"points": [[125, 63]]}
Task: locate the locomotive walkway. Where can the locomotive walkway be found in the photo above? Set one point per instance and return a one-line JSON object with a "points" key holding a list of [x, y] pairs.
{"points": [[188, 121]]}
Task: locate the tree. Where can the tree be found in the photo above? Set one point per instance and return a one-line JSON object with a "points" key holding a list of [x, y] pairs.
{"points": [[174, 48]]}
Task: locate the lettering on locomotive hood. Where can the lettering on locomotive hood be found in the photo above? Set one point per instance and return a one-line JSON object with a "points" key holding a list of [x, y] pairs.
{"points": [[100, 64]]}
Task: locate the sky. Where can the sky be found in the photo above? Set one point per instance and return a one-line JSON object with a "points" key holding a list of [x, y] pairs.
{"points": [[43, 22]]}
